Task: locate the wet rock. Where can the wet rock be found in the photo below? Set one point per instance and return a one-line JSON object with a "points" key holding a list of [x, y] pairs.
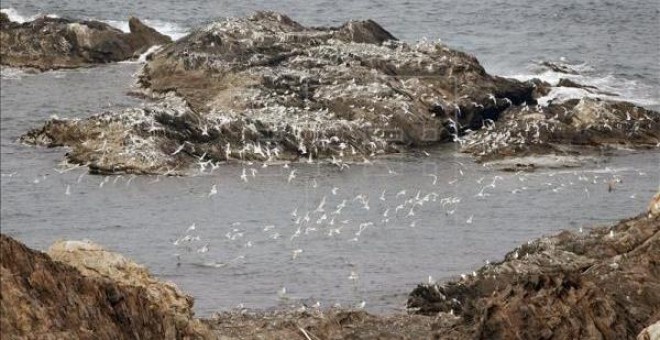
{"points": [[267, 88], [600, 284], [53, 43], [86, 293], [574, 127]]}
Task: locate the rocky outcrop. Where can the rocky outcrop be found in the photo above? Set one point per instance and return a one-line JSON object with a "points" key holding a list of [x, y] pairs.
{"points": [[52, 43], [85, 292], [572, 127], [604, 284], [267, 88]]}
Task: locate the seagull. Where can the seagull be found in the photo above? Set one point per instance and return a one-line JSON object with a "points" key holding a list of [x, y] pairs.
{"points": [[203, 249], [214, 190], [244, 176], [353, 277], [295, 253], [191, 228], [282, 293], [469, 220], [179, 149], [292, 175]]}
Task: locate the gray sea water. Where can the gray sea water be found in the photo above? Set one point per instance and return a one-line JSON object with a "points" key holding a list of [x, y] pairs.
{"points": [[256, 244]]}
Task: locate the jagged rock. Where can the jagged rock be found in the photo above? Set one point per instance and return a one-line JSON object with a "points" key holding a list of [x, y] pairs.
{"points": [[52, 43], [267, 88], [87, 293], [572, 127], [601, 284]]}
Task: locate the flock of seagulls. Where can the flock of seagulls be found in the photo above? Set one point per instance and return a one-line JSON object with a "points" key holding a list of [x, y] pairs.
{"points": [[344, 213]]}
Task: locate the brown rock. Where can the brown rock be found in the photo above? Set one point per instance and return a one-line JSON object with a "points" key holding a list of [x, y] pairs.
{"points": [[268, 88], [52, 43], [47, 299], [603, 284]]}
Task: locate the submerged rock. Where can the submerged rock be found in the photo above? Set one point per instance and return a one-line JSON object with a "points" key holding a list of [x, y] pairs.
{"points": [[600, 284], [83, 291], [52, 43]]}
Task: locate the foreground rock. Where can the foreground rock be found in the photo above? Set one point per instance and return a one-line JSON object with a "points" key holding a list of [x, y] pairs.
{"points": [[54, 43], [604, 284], [574, 127], [85, 292], [267, 88]]}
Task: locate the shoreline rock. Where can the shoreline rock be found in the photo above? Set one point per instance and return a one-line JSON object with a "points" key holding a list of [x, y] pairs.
{"points": [[77, 293], [600, 284], [55, 43]]}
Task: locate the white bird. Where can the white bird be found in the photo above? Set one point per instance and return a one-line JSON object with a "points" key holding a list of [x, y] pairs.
{"points": [[179, 149], [292, 175], [334, 190], [295, 253], [203, 249], [353, 276], [282, 293], [214, 190], [244, 176], [469, 220], [191, 228], [361, 305]]}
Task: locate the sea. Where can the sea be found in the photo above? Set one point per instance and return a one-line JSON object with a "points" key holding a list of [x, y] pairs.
{"points": [[369, 233]]}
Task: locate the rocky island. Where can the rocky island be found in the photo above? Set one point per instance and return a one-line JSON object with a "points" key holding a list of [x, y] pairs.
{"points": [[55, 43], [265, 88], [603, 283]]}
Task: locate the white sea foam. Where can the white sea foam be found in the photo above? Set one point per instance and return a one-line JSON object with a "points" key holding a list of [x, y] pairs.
{"points": [[173, 30], [170, 29], [15, 16], [607, 86]]}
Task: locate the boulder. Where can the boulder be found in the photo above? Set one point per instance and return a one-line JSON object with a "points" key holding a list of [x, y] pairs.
{"points": [[99, 295], [52, 43]]}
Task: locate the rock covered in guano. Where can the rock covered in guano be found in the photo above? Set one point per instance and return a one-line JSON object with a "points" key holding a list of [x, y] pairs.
{"points": [[266, 88]]}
